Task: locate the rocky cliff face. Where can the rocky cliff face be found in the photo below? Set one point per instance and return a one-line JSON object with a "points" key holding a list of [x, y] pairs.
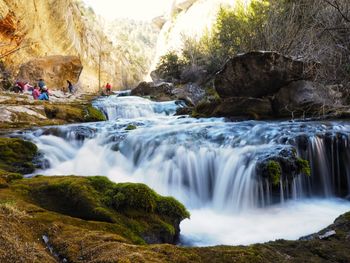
{"points": [[187, 18], [40, 28]]}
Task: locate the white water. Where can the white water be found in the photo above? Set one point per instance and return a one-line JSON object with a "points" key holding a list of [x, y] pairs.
{"points": [[208, 164], [290, 221]]}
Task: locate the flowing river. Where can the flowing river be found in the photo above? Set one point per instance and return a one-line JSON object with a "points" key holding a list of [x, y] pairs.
{"points": [[210, 166]]}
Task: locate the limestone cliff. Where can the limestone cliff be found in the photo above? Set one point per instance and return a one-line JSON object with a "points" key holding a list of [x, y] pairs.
{"points": [[187, 18], [40, 28]]}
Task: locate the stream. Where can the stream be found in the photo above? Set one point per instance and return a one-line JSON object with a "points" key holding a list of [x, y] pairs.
{"points": [[210, 166]]}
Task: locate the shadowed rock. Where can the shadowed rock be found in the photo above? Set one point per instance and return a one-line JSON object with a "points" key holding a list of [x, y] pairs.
{"points": [[259, 74], [55, 70], [306, 98]]}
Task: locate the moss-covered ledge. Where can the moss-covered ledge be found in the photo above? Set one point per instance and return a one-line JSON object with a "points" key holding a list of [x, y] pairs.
{"points": [[23, 112], [17, 155], [141, 215]]}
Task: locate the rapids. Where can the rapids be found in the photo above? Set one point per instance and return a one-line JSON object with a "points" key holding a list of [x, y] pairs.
{"points": [[210, 166]]}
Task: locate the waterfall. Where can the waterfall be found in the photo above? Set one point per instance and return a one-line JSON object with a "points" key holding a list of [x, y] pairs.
{"points": [[208, 164], [134, 107]]}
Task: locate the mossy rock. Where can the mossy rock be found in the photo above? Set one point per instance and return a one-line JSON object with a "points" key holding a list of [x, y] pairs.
{"points": [[9, 177], [304, 166], [74, 112], [274, 172], [154, 218], [130, 127], [282, 164], [16, 155], [94, 115]]}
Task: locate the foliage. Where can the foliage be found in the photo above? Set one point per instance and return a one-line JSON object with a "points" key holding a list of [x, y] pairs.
{"points": [[135, 41], [311, 30], [170, 66]]}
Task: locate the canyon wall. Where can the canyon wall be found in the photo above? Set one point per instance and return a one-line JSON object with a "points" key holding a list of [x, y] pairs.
{"points": [[186, 18], [38, 28]]}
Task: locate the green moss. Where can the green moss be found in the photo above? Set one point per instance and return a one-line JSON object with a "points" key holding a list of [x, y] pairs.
{"points": [[16, 155], [9, 177], [94, 115], [304, 166], [74, 112], [70, 196], [135, 208], [212, 93], [170, 207], [274, 172], [130, 127]]}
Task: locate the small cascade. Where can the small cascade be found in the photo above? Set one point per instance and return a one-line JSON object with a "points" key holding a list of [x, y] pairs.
{"points": [[129, 107], [208, 164]]}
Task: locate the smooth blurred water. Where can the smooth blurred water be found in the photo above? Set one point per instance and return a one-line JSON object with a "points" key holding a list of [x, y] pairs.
{"points": [[209, 165]]}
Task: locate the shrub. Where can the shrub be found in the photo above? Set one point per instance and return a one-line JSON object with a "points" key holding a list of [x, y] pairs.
{"points": [[170, 66]]}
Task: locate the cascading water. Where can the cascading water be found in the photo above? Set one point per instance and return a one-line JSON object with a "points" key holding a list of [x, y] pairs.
{"points": [[210, 166]]}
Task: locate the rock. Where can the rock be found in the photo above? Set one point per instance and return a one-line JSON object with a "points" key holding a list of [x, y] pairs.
{"points": [[17, 155], [6, 79], [164, 91], [327, 234], [156, 219], [184, 111], [281, 164], [306, 98], [191, 93], [55, 70], [247, 108], [161, 92], [259, 74]]}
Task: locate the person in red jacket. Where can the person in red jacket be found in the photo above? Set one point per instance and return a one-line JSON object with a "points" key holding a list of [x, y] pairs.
{"points": [[108, 89]]}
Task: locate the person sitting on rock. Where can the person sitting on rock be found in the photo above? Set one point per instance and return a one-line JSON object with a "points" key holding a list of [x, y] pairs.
{"points": [[36, 93], [70, 86], [27, 87], [108, 89], [44, 94], [41, 84], [19, 87]]}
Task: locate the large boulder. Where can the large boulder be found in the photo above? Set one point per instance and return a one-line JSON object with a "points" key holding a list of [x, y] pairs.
{"points": [[259, 74], [308, 99], [237, 107], [160, 92], [55, 70]]}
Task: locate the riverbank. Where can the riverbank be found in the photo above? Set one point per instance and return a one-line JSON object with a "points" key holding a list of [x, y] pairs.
{"points": [[21, 111], [39, 232]]}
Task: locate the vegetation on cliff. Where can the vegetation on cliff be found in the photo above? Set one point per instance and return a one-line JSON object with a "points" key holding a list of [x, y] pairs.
{"points": [[316, 30]]}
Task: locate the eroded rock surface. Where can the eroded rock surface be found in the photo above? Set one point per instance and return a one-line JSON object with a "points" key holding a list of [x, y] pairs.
{"points": [[55, 70]]}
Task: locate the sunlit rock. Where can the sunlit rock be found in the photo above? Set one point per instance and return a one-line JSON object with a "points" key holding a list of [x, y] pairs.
{"points": [[55, 70]]}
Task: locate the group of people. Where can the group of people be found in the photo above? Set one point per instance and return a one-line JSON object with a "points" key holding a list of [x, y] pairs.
{"points": [[39, 91]]}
